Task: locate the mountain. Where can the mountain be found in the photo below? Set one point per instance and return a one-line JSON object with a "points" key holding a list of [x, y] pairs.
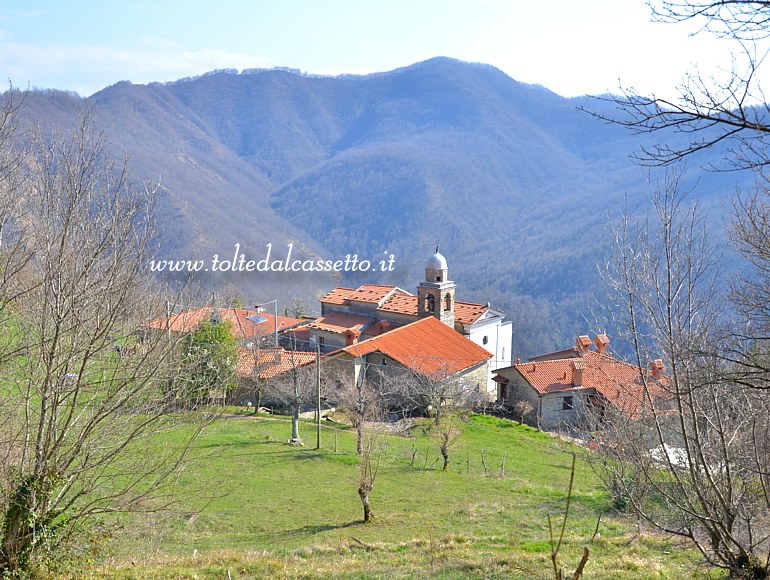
{"points": [[513, 182]]}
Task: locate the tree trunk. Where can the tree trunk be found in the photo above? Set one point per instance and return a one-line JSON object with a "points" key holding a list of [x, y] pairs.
{"points": [[445, 455], [295, 426], [365, 501], [360, 441], [18, 533], [15, 544]]}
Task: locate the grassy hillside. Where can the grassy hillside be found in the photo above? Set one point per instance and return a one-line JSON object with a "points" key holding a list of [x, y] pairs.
{"points": [[263, 509]]}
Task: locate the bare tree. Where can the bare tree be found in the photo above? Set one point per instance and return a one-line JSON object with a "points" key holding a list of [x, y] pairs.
{"points": [[82, 397], [708, 110], [295, 388], [727, 113], [368, 469], [694, 461], [263, 353], [434, 388], [446, 433], [363, 398], [523, 409]]}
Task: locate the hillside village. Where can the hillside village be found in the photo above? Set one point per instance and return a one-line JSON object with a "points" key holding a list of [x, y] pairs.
{"points": [[377, 333], [451, 414]]}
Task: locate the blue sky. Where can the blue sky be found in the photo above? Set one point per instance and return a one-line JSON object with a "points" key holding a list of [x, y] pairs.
{"points": [[571, 47]]}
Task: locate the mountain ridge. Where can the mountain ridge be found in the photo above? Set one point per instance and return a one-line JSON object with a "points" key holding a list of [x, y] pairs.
{"points": [[513, 181]]}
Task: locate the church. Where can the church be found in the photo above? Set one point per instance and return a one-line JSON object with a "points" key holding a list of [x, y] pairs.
{"points": [[351, 315]]}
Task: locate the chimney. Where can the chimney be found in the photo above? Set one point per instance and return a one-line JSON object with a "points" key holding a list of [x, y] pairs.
{"points": [[658, 368], [518, 360], [582, 343], [602, 342], [577, 366], [351, 336], [382, 326]]}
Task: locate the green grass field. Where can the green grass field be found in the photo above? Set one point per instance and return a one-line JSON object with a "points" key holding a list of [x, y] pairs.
{"points": [[258, 508]]}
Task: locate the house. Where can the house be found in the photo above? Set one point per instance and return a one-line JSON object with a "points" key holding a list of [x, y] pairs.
{"points": [[257, 369], [268, 363], [351, 315], [568, 388], [247, 325], [425, 348]]}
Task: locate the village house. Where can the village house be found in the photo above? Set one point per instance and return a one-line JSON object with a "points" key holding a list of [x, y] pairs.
{"points": [[258, 365], [351, 315], [568, 389], [425, 348], [247, 325]]}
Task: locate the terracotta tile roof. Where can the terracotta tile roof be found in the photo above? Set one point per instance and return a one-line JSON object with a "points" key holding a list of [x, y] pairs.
{"points": [[271, 362], [401, 303], [367, 293], [394, 299], [465, 312], [551, 376], [337, 295], [618, 381], [469, 312], [380, 327], [340, 322], [301, 334], [427, 346], [371, 293], [621, 384], [244, 323]]}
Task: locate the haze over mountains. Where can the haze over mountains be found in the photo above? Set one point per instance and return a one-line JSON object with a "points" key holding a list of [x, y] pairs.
{"points": [[512, 181]]}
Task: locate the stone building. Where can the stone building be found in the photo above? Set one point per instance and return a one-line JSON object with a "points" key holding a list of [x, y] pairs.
{"points": [[351, 315], [568, 388], [425, 348]]}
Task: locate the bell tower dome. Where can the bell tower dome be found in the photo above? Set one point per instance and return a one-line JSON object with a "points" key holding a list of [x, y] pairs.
{"points": [[436, 294]]}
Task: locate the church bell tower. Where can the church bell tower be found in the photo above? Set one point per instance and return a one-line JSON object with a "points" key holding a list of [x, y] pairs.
{"points": [[436, 294]]}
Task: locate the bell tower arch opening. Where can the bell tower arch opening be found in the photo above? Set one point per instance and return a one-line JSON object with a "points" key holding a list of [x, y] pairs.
{"points": [[436, 294]]}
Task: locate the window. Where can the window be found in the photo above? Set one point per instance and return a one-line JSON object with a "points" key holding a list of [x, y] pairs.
{"points": [[384, 361], [485, 340], [438, 278], [503, 355], [321, 341], [448, 302], [430, 303], [566, 403]]}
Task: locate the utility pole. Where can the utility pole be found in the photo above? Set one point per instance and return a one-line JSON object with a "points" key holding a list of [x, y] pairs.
{"points": [[318, 394]]}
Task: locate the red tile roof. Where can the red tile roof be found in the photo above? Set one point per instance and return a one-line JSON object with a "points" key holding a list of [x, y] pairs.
{"points": [[340, 322], [618, 381], [469, 312], [401, 303], [337, 295], [427, 346], [271, 362], [241, 325], [371, 293], [393, 299], [551, 376]]}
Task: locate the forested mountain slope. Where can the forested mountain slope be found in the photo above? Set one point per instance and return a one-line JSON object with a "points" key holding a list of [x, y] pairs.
{"points": [[512, 181]]}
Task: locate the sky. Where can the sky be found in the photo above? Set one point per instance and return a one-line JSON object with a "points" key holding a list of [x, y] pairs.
{"points": [[572, 47]]}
